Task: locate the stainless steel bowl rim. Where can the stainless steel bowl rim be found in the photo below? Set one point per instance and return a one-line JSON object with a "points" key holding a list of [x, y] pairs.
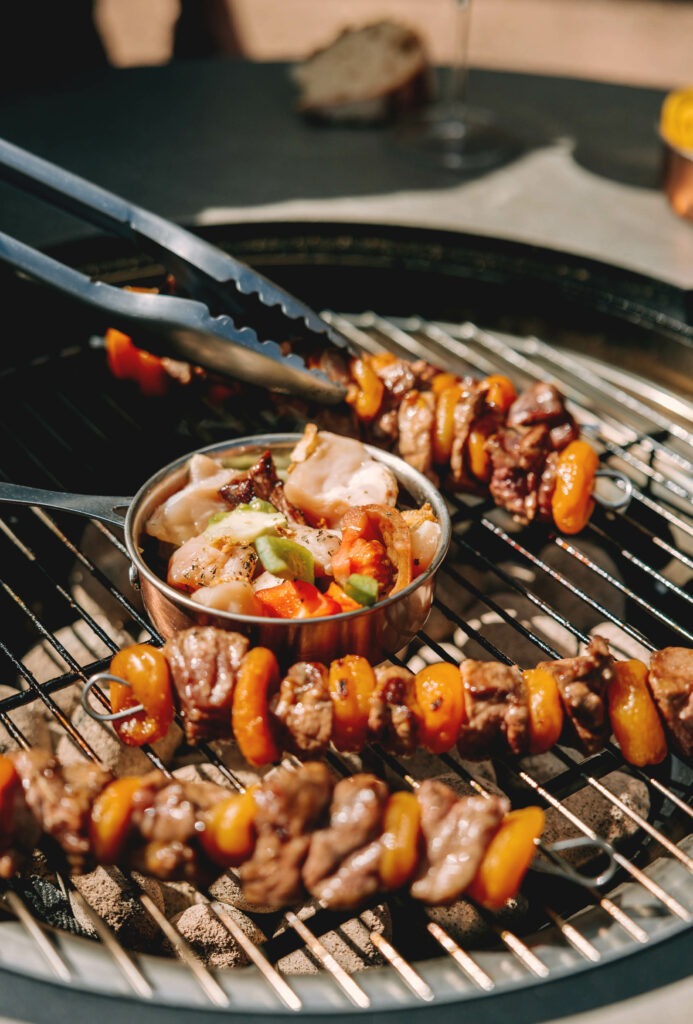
{"points": [[406, 475]]}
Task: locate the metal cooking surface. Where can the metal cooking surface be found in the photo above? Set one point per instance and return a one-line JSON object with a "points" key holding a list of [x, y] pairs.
{"points": [[507, 594]]}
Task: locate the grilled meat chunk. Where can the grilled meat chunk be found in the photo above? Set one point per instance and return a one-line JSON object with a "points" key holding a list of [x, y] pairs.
{"points": [[456, 832], [290, 805], [304, 707], [264, 484], [467, 409], [415, 428], [356, 815], [543, 403], [517, 457], [356, 879], [20, 831], [166, 817], [496, 712], [582, 683], [204, 663], [391, 719], [60, 798], [671, 682]]}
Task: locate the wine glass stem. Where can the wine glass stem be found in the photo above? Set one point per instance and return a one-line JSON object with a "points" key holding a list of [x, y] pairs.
{"points": [[459, 66]]}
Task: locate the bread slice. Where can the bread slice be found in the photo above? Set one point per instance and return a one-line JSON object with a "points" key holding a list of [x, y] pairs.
{"points": [[370, 73]]}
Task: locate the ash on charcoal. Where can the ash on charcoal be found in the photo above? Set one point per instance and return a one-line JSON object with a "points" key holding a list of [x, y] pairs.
{"points": [[350, 942], [114, 755], [116, 901], [30, 720], [210, 940]]}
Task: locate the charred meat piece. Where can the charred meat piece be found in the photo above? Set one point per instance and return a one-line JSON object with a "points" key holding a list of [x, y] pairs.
{"points": [[391, 719], [304, 707], [540, 403], [60, 799], [456, 831], [290, 805], [264, 484], [496, 712], [582, 683], [467, 409], [204, 663], [671, 681], [167, 815], [518, 457], [337, 863]]}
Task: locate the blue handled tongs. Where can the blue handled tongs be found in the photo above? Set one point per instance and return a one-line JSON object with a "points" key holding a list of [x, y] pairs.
{"points": [[231, 342]]}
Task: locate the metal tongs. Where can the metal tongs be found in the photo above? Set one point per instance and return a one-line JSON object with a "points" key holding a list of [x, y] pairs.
{"points": [[229, 325]]}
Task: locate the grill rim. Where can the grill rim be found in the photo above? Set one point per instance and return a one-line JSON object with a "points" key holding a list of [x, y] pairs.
{"points": [[677, 927]]}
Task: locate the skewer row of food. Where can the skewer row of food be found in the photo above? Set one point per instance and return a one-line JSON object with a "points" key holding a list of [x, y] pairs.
{"points": [[298, 833], [223, 688], [472, 435]]}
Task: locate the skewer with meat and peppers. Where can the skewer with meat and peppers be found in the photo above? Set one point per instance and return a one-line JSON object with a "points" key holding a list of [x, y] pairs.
{"points": [[223, 688], [298, 833], [475, 436]]}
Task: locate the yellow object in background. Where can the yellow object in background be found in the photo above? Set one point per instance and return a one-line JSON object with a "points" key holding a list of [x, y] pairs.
{"points": [[676, 119]]}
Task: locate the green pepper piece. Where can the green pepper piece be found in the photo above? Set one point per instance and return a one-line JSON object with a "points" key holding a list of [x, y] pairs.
{"points": [[285, 558], [363, 589], [258, 505]]}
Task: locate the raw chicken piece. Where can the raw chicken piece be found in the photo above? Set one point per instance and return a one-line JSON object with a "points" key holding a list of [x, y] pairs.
{"points": [[188, 511], [329, 474], [200, 563]]}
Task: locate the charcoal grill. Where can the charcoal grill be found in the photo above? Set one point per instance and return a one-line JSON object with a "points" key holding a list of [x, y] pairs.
{"points": [[620, 347]]}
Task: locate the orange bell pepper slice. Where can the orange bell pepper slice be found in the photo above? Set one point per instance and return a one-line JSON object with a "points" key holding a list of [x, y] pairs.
{"points": [[251, 722], [507, 858], [440, 697], [297, 599], [375, 542], [228, 837], [146, 672], [444, 423], [572, 502], [545, 709], [346, 603], [400, 840], [111, 814], [500, 392], [366, 395], [127, 362], [9, 781], [634, 717], [351, 682]]}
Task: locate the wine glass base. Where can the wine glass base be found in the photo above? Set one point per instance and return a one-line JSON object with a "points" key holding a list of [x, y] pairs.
{"points": [[461, 138]]}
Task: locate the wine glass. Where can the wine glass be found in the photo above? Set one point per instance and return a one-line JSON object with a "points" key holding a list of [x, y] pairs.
{"points": [[450, 132]]}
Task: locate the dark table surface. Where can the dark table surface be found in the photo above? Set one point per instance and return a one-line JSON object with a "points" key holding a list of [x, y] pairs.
{"points": [[219, 141]]}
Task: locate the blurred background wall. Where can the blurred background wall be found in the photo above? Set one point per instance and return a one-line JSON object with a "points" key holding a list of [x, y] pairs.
{"points": [[642, 42]]}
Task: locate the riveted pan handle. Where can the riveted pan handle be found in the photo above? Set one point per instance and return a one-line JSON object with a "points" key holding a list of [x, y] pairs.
{"points": [[110, 510]]}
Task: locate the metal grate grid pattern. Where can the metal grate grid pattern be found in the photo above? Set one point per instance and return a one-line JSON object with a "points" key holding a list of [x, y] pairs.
{"points": [[504, 594]]}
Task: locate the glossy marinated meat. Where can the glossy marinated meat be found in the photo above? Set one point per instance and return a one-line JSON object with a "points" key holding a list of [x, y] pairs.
{"points": [[290, 805], [456, 832], [415, 428], [671, 682], [204, 664], [304, 707], [59, 798], [517, 458], [166, 818], [261, 481], [391, 720], [582, 683], [466, 411], [543, 403], [496, 712], [356, 814]]}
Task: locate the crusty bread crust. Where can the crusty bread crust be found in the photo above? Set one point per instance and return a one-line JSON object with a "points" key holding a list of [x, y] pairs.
{"points": [[369, 73]]}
